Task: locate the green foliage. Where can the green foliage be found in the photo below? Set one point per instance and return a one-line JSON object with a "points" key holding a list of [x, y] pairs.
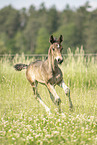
{"points": [[68, 31], [21, 28], [9, 21], [24, 121], [42, 41], [3, 40], [91, 33], [30, 34], [52, 20], [20, 43]]}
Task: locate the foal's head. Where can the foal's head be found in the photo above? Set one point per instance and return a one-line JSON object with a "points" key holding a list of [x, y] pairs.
{"points": [[56, 48]]}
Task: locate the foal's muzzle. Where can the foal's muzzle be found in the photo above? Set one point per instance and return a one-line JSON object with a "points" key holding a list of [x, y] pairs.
{"points": [[60, 61]]}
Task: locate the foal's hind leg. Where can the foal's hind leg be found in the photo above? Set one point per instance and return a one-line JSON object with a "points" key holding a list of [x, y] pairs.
{"points": [[67, 92], [37, 96], [34, 86]]}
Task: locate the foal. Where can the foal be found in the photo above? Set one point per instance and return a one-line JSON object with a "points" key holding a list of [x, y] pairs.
{"points": [[48, 73]]}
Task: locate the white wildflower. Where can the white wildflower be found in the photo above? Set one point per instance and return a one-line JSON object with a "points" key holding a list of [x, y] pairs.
{"points": [[13, 138]]}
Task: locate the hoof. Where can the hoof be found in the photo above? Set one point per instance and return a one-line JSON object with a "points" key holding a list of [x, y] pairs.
{"points": [[57, 101], [67, 92], [71, 107]]}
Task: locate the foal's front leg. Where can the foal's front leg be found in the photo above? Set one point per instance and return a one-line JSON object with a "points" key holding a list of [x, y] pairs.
{"points": [[67, 92], [55, 98]]}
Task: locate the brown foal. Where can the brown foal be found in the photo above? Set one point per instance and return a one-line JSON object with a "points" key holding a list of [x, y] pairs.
{"points": [[48, 73]]}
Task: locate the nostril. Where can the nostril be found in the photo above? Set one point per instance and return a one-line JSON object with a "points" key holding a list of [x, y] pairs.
{"points": [[60, 60]]}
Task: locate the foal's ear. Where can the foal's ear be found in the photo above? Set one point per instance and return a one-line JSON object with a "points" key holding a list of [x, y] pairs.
{"points": [[60, 39], [51, 39]]}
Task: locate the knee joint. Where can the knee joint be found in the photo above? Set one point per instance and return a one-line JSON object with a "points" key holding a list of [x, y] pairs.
{"points": [[57, 101]]}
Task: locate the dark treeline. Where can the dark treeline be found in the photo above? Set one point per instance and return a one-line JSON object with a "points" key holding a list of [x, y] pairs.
{"points": [[28, 30]]}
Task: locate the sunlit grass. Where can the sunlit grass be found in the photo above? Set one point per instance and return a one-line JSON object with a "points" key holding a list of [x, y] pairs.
{"points": [[24, 121]]}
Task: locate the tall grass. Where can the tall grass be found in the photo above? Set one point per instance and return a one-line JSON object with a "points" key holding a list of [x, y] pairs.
{"points": [[24, 121]]}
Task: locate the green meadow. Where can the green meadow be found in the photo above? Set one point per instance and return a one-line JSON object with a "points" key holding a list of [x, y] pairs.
{"points": [[24, 121]]}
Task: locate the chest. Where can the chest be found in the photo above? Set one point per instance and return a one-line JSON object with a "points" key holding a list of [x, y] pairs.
{"points": [[56, 77]]}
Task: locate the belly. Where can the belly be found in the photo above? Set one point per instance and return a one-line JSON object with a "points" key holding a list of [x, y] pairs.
{"points": [[34, 72]]}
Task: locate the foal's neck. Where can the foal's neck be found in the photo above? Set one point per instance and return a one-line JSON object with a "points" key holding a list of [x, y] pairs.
{"points": [[52, 64]]}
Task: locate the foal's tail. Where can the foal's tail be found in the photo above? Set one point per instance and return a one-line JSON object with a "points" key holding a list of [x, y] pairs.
{"points": [[20, 66]]}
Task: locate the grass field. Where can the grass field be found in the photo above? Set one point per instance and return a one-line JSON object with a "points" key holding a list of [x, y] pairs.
{"points": [[24, 121]]}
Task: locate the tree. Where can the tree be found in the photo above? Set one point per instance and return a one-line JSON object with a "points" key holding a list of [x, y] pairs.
{"points": [[30, 34], [91, 33], [52, 20], [28, 30], [23, 18], [81, 23], [42, 15], [42, 41], [9, 21], [69, 36], [20, 43], [3, 44], [67, 16]]}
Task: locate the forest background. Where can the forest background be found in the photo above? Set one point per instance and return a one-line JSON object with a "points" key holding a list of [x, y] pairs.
{"points": [[28, 30]]}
